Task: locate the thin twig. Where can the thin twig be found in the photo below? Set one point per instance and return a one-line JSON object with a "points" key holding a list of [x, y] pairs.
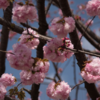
{"points": [[48, 7], [7, 52], [28, 91], [87, 27], [78, 84], [84, 52], [50, 78], [15, 88]]}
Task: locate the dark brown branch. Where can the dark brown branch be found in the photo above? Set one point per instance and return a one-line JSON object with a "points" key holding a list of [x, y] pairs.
{"points": [[85, 52], [77, 88], [80, 57], [43, 26], [28, 91], [56, 3], [8, 98], [56, 71], [4, 40], [28, 26], [41, 37], [11, 26], [48, 7], [89, 32], [88, 37], [19, 30]]}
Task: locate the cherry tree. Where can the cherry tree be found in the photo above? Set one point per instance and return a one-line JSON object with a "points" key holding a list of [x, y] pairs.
{"points": [[68, 29]]}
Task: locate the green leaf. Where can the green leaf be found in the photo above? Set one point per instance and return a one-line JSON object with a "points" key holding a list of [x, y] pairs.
{"points": [[11, 91], [21, 95]]}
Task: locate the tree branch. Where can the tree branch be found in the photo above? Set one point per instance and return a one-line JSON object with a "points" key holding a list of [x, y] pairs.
{"points": [[4, 40], [43, 26], [80, 57], [88, 37], [89, 32]]}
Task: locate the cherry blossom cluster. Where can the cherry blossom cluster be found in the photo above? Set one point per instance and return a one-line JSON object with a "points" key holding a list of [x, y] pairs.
{"points": [[91, 72], [4, 4], [56, 51], [5, 81], [23, 13], [37, 74], [20, 58], [58, 91], [61, 27], [29, 38], [93, 8]]}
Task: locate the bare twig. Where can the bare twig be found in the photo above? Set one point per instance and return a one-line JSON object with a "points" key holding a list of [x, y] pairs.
{"points": [[49, 4], [78, 84], [28, 91]]}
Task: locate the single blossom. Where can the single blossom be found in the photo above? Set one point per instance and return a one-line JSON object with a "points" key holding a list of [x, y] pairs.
{"points": [[60, 90], [61, 27], [91, 72], [4, 4], [56, 51], [23, 13], [28, 78], [60, 70], [20, 58], [7, 79], [41, 66], [91, 8], [29, 39], [2, 91]]}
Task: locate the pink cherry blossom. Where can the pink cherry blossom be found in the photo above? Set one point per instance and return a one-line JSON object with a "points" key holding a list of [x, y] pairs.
{"points": [[29, 39], [28, 78], [71, 2], [61, 27], [21, 58], [38, 77], [60, 70], [22, 13], [91, 72], [41, 66], [60, 12], [2, 91], [58, 91], [12, 34], [4, 4], [81, 7], [89, 22], [7, 79], [92, 7], [55, 50]]}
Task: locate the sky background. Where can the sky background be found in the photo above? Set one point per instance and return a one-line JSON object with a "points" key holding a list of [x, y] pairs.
{"points": [[68, 73]]}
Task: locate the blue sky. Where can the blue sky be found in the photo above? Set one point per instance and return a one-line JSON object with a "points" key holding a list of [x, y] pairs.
{"points": [[67, 75]]}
